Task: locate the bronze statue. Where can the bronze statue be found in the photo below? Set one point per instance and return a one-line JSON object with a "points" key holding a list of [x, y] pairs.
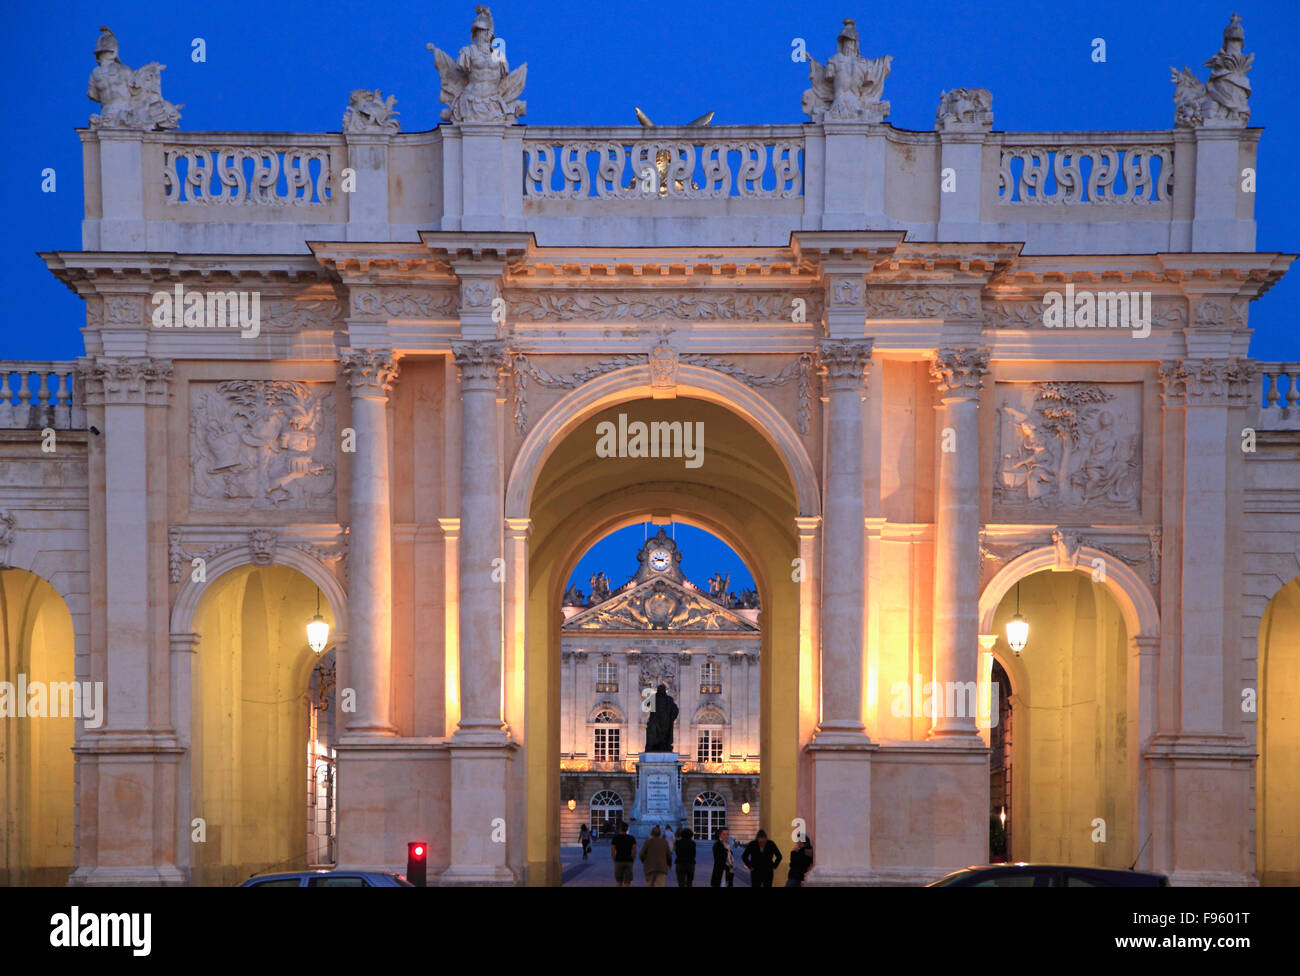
{"points": [[659, 726]]}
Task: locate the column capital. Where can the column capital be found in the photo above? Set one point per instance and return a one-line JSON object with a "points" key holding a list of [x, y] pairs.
{"points": [[844, 363], [480, 363], [808, 525], [1207, 382], [519, 528], [370, 372], [959, 373], [184, 643], [118, 381]]}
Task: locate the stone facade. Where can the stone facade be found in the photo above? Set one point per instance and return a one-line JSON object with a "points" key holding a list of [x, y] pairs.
{"points": [[380, 384]]}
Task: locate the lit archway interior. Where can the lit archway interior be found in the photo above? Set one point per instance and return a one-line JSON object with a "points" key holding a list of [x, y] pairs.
{"points": [[741, 493], [1277, 783], [1070, 750], [253, 765], [686, 616], [37, 794]]}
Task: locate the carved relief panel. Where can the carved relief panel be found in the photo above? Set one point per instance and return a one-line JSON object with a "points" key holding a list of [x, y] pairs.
{"points": [[262, 444], [1067, 446]]}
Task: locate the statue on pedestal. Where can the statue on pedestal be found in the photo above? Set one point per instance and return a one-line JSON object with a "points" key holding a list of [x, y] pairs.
{"points": [[479, 86], [1224, 98], [659, 726], [129, 99], [848, 88]]}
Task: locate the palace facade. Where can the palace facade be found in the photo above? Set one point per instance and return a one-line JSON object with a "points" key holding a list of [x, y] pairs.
{"points": [[945, 379]]}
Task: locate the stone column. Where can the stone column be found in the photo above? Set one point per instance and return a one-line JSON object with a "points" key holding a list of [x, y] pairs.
{"points": [[482, 568], [481, 833], [136, 752], [958, 375], [371, 373], [844, 363]]}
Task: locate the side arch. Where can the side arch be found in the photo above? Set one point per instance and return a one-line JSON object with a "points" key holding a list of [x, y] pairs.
{"points": [[187, 601], [1141, 616], [633, 383]]}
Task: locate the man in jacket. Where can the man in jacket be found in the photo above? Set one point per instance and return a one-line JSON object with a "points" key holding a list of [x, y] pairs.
{"points": [[622, 848], [762, 858], [685, 851], [656, 859], [724, 863]]}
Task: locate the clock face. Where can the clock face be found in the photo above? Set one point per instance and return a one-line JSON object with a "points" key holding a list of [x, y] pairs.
{"points": [[660, 560]]}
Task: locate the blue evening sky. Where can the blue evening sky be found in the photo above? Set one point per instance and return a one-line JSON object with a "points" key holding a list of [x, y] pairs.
{"points": [[703, 554], [289, 66]]}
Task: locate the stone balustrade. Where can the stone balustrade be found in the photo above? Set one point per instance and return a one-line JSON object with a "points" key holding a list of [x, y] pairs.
{"points": [[37, 395], [1117, 192], [1280, 405]]}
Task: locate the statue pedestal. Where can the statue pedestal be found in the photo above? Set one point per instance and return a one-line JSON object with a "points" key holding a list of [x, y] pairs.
{"points": [[658, 794]]}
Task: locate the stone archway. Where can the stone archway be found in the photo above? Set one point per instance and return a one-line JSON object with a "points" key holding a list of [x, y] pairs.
{"points": [[247, 718], [1277, 771], [43, 702], [757, 493]]}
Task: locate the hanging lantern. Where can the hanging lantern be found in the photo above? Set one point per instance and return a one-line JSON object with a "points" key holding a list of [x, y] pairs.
{"points": [[318, 631], [1017, 628], [744, 807], [573, 804]]}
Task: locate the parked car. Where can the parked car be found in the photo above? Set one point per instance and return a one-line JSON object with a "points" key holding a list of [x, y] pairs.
{"points": [[325, 878], [1022, 875]]}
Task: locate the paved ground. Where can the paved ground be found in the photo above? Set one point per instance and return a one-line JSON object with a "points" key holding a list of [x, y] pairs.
{"points": [[598, 870]]}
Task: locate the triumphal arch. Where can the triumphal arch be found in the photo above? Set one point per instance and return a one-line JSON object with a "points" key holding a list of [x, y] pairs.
{"points": [[945, 382]]}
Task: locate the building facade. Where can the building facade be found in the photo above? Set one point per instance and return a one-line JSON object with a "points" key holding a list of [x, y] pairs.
{"points": [[616, 647], [373, 372]]}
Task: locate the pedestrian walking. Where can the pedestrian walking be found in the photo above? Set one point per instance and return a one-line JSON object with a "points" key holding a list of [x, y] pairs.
{"points": [[685, 850], [801, 859], [622, 848], [724, 862], [584, 838], [762, 858], [656, 859]]}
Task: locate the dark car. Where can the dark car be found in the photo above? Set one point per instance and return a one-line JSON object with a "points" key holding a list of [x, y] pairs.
{"points": [[1024, 875], [328, 879]]}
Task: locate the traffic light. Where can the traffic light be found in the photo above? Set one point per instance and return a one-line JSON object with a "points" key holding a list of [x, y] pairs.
{"points": [[417, 856]]}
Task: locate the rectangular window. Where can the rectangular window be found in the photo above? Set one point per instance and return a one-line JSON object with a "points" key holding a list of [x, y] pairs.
{"points": [[606, 745], [709, 747], [710, 678], [606, 676]]}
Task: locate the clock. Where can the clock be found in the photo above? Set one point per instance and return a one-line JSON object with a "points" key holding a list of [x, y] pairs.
{"points": [[660, 560]]}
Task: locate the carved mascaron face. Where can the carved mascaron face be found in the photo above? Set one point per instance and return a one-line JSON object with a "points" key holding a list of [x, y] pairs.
{"points": [[660, 560]]}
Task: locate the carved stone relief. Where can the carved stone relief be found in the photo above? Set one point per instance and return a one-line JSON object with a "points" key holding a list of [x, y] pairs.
{"points": [[262, 444], [658, 306], [1068, 445]]}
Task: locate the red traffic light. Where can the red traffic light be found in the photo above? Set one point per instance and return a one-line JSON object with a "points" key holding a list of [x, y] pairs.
{"points": [[417, 856]]}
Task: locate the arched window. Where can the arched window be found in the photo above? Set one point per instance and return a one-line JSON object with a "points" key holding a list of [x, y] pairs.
{"points": [[606, 812], [606, 744], [708, 815], [708, 730]]}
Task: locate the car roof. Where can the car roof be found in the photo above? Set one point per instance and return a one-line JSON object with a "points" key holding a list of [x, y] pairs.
{"points": [[318, 872], [1046, 865]]}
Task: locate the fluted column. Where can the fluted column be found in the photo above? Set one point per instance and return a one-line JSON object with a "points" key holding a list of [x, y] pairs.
{"points": [[958, 375], [371, 373], [844, 364], [481, 515]]}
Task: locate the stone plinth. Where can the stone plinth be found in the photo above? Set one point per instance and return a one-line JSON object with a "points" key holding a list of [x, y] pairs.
{"points": [[658, 794]]}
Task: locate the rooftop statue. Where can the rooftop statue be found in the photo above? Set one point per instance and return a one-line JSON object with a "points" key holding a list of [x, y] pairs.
{"points": [[369, 111], [1224, 98], [129, 99], [663, 157], [964, 107], [848, 87], [479, 86]]}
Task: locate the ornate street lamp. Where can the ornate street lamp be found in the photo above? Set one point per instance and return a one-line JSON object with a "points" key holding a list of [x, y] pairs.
{"points": [[573, 804], [318, 631], [1017, 627]]}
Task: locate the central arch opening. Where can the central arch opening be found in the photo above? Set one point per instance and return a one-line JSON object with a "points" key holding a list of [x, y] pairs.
{"points": [[742, 492]]}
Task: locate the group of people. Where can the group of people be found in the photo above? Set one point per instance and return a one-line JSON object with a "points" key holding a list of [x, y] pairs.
{"points": [[761, 857]]}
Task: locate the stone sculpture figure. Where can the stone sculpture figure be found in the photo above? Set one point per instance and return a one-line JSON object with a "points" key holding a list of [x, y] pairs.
{"points": [[478, 86], [574, 597], [599, 588], [964, 106], [128, 99], [1222, 99], [849, 86], [659, 726], [369, 111]]}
